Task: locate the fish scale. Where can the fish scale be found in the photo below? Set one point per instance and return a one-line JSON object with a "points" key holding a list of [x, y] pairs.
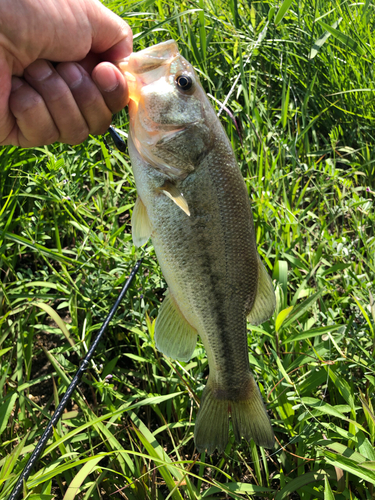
{"points": [[193, 203]]}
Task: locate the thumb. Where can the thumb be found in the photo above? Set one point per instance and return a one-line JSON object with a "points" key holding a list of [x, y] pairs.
{"points": [[111, 36]]}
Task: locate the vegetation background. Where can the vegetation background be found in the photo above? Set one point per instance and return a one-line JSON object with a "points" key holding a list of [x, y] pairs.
{"points": [[298, 78]]}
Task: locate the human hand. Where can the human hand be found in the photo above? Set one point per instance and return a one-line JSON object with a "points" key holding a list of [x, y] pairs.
{"points": [[41, 102]]}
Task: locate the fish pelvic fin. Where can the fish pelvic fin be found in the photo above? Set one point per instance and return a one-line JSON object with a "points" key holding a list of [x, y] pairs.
{"points": [[174, 335], [265, 300], [249, 419], [141, 225]]}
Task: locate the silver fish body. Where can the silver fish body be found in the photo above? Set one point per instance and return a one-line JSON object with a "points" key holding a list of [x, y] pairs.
{"points": [[193, 202]]}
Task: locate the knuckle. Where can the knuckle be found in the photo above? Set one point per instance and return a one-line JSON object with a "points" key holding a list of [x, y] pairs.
{"points": [[60, 95], [91, 100], [28, 139], [125, 31], [101, 126], [24, 102], [51, 136], [77, 136]]}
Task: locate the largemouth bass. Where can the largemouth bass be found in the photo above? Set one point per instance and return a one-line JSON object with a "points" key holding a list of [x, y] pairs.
{"points": [[193, 203]]}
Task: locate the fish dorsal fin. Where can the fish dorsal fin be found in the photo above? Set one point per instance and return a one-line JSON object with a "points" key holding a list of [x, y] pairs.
{"points": [[141, 225], [174, 335], [265, 300], [174, 194]]}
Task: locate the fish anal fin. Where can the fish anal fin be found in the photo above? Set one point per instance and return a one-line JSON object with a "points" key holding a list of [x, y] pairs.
{"points": [[141, 225], [174, 194], [265, 300], [174, 335]]}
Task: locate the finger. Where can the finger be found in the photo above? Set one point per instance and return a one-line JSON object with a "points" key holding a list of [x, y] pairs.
{"points": [[112, 85], [6, 119], [34, 124], [87, 96], [89, 62], [59, 100]]}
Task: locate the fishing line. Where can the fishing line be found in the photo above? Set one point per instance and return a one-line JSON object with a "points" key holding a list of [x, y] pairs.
{"points": [[38, 450]]}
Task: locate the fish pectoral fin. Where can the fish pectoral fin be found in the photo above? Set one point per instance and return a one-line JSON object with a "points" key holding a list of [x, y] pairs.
{"points": [[141, 225], [265, 300], [174, 194], [174, 335]]}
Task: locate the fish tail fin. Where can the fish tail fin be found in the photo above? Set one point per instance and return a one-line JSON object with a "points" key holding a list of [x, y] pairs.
{"points": [[249, 419], [212, 423]]}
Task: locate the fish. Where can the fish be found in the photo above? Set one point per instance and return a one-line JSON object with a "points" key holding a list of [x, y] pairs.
{"points": [[194, 205]]}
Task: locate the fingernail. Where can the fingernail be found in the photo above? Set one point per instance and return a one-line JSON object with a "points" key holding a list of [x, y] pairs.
{"points": [[107, 80], [71, 74], [16, 83], [39, 70]]}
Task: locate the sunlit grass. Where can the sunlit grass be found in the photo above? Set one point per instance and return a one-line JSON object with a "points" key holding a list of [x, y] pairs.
{"points": [[304, 104]]}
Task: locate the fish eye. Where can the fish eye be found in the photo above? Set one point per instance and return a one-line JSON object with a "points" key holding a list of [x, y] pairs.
{"points": [[184, 82]]}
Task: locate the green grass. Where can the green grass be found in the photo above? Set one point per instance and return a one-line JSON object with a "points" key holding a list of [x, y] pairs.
{"points": [[304, 102]]}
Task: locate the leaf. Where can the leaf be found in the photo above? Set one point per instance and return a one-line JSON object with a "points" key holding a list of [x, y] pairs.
{"points": [[327, 409], [6, 408], [314, 332], [365, 447], [40, 496], [336, 267], [302, 308], [51, 472], [4, 351], [236, 488], [300, 481], [43, 250], [369, 465], [344, 450], [156, 27], [281, 368], [280, 273], [350, 466], [281, 317], [79, 479], [80, 227], [318, 44], [11, 459], [283, 10], [372, 305], [97, 420], [343, 388], [271, 12], [285, 104], [365, 315], [155, 450], [328, 495], [345, 39], [370, 417], [56, 318]]}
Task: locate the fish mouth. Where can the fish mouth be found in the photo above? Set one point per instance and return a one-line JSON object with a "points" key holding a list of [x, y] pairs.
{"points": [[149, 59]]}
